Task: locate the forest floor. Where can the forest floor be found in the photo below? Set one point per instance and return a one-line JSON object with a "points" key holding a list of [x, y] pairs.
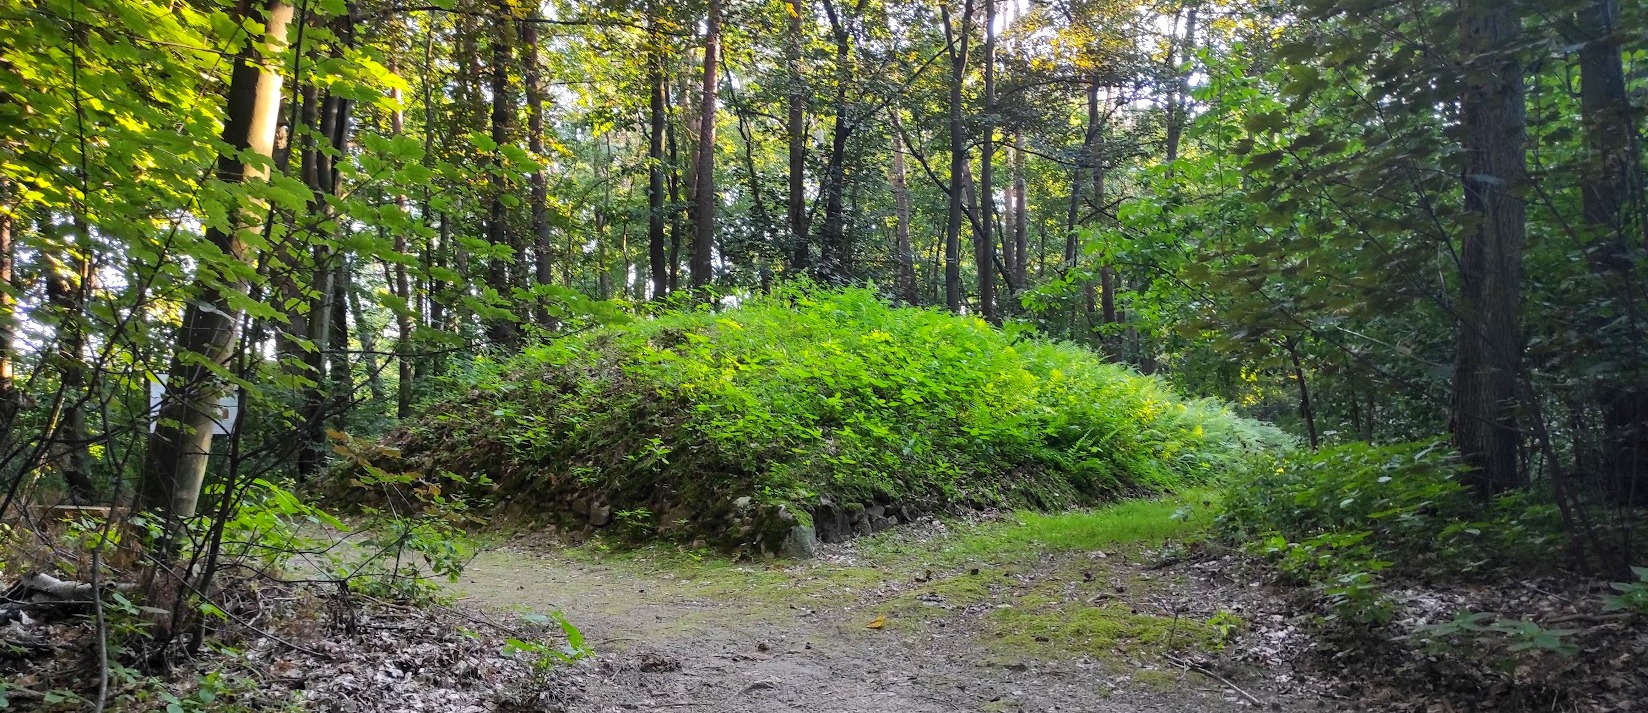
{"points": [[929, 617]]}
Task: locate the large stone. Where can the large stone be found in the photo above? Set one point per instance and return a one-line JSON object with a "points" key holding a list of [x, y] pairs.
{"points": [[600, 514], [799, 543], [831, 523]]}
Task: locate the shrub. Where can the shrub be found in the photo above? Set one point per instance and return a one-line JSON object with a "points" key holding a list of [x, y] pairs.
{"points": [[1342, 517], [803, 397]]}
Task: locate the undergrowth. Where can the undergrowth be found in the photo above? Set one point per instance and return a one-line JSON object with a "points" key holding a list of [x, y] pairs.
{"points": [[1352, 519], [803, 395]]}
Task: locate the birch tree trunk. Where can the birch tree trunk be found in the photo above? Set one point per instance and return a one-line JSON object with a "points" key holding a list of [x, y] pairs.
{"points": [[175, 463]]}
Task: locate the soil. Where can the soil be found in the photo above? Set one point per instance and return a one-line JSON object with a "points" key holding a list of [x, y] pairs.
{"points": [[845, 632]]}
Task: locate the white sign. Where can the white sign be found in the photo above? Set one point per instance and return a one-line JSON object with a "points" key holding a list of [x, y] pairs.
{"points": [[223, 412]]}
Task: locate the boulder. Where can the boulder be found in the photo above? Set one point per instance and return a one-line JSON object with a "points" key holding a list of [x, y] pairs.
{"points": [[600, 514], [800, 543]]}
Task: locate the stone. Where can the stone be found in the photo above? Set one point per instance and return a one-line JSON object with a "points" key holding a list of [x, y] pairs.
{"points": [[600, 514], [831, 523], [800, 543], [743, 502]]}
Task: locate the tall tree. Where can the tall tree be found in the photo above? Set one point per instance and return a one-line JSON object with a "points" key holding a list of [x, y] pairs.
{"points": [[175, 462], [657, 118], [1493, 117], [956, 34], [703, 236], [832, 246], [500, 329], [795, 130], [905, 280], [984, 247], [531, 77]]}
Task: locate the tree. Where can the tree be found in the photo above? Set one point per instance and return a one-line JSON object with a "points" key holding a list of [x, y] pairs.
{"points": [[175, 465], [955, 39], [984, 249], [1493, 116], [703, 236]]}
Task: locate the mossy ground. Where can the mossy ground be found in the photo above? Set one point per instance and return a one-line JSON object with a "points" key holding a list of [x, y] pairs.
{"points": [[1023, 587]]}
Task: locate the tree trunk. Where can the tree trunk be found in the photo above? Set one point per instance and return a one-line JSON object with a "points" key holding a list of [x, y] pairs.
{"points": [[501, 331], [543, 247], [956, 43], [905, 282], [65, 291], [1493, 115], [656, 120], [832, 243], [676, 224], [795, 128], [1306, 412], [1613, 174], [984, 248], [10, 397], [1021, 219], [1176, 112], [405, 323], [175, 464], [703, 235]]}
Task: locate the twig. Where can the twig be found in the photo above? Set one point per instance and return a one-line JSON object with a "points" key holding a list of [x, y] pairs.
{"points": [[1198, 668]]}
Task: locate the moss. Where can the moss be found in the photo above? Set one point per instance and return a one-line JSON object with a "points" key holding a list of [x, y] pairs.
{"points": [[1043, 628], [1159, 679]]}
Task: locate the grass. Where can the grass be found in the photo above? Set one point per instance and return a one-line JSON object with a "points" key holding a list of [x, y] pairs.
{"points": [[729, 427], [1131, 522]]}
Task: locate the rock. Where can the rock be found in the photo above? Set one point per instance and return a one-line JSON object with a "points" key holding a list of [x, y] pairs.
{"points": [[600, 514], [742, 502], [677, 518], [874, 512], [882, 523], [784, 514], [831, 523], [799, 543]]}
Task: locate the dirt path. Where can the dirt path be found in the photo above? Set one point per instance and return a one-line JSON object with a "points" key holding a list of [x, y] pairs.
{"points": [[1044, 632]]}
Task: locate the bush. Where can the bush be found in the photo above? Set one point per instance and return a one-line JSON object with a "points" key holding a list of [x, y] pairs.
{"points": [[803, 398], [1342, 517]]}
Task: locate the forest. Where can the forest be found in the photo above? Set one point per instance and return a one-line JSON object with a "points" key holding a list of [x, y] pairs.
{"points": [[856, 355]]}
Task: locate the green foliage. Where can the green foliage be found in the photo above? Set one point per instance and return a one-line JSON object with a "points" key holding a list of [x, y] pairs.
{"points": [[547, 655], [1341, 517], [1633, 596], [1470, 631], [805, 394]]}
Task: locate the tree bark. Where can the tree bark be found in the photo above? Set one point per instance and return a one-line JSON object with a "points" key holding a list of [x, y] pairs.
{"points": [[1613, 174], [656, 121], [795, 128], [956, 43], [703, 235], [543, 245], [1493, 113], [175, 462], [984, 248], [10, 397], [65, 291], [905, 281], [1021, 219], [832, 243], [1176, 111], [501, 331], [405, 323], [1307, 412]]}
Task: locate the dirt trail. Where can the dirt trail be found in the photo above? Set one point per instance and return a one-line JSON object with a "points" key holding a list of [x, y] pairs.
{"points": [[673, 634]]}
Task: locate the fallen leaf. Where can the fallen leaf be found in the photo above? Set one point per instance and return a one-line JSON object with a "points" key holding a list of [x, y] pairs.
{"points": [[879, 622]]}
